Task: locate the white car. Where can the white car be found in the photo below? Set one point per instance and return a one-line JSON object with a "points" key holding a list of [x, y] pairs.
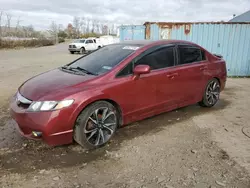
{"points": [[84, 45]]}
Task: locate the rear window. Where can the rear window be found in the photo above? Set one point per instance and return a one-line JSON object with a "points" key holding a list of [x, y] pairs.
{"points": [[104, 59], [189, 54]]}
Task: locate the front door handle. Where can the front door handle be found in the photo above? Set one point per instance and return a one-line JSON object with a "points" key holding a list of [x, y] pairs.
{"points": [[171, 76]]}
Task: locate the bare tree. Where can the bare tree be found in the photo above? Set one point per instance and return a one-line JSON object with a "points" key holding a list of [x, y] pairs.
{"points": [[1, 15], [60, 27], [30, 30], [69, 30], [82, 25], [76, 25], [53, 30], [17, 27], [98, 26], [93, 26], [8, 22], [113, 29], [88, 26], [101, 27]]}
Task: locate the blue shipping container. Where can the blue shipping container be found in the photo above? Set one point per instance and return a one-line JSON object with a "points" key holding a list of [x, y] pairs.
{"points": [[132, 32]]}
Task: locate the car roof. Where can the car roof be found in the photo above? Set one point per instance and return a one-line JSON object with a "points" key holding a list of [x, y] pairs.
{"points": [[151, 42]]}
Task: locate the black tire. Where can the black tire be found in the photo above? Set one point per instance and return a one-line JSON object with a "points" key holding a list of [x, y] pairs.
{"points": [[87, 133], [211, 94], [82, 51], [72, 52], [99, 47]]}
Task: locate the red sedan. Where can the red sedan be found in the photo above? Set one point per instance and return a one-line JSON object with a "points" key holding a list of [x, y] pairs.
{"points": [[89, 98]]}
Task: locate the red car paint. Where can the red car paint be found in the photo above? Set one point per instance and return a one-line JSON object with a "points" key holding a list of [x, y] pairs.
{"points": [[137, 97]]}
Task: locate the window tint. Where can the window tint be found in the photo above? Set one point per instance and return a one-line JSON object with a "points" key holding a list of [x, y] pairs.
{"points": [[158, 59], [89, 41], [126, 71], [189, 54], [104, 59], [161, 58], [203, 54], [82, 41]]}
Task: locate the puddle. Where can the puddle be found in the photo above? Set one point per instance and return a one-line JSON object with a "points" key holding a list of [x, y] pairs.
{"points": [[35, 155]]}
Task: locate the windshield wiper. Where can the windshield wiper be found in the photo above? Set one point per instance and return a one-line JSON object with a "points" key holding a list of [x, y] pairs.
{"points": [[65, 67], [81, 69]]}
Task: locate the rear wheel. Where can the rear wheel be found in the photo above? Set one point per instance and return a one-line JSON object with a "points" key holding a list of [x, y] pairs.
{"points": [[72, 52], [96, 125], [82, 50], [211, 94]]}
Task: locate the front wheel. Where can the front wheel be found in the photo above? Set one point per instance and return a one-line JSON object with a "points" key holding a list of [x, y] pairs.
{"points": [[82, 50], [96, 125], [211, 94], [72, 52]]}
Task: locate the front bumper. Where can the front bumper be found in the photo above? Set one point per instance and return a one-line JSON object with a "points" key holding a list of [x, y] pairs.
{"points": [[55, 126], [74, 49]]}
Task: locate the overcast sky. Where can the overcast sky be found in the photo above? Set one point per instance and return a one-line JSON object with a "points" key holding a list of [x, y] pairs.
{"points": [[40, 13]]}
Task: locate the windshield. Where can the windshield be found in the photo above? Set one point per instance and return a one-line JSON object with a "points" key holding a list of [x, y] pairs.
{"points": [[79, 41], [104, 59]]}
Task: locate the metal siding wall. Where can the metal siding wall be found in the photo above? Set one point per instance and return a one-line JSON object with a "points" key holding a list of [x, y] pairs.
{"points": [[138, 32], [132, 32], [230, 40], [154, 32]]}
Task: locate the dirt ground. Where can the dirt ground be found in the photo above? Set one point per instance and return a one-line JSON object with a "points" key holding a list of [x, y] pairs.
{"points": [[188, 147]]}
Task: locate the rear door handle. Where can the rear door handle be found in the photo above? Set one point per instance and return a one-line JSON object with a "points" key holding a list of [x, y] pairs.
{"points": [[171, 76], [203, 68]]}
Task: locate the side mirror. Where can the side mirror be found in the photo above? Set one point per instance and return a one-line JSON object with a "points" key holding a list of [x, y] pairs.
{"points": [[141, 69]]}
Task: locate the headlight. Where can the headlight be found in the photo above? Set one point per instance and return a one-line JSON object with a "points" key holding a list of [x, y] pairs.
{"points": [[49, 105]]}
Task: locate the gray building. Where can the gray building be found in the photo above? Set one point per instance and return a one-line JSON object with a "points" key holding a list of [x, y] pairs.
{"points": [[245, 17]]}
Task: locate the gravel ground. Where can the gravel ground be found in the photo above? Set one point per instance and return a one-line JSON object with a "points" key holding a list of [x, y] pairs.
{"points": [[188, 147]]}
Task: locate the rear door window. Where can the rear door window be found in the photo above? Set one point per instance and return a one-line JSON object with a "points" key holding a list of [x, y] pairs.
{"points": [[190, 54]]}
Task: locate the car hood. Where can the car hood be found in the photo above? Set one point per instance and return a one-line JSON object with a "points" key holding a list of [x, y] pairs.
{"points": [[50, 82]]}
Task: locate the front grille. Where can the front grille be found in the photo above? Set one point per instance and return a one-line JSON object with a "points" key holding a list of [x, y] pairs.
{"points": [[72, 46]]}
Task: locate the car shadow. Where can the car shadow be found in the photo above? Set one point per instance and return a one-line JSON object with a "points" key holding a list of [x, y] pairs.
{"points": [[36, 155]]}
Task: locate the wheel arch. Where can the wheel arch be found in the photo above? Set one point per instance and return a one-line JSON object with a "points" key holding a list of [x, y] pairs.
{"points": [[218, 79], [114, 103]]}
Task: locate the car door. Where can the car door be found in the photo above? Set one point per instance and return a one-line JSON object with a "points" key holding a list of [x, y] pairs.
{"points": [[150, 94], [190, 70], [137, 95], [94, 44], [89, 45], [166, 85]]}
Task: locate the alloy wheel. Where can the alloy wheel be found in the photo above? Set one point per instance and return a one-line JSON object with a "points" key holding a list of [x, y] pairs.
{"points": [[100, 126], [213, 92]]}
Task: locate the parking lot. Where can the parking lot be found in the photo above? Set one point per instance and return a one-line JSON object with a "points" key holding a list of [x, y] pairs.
{"points": [[188, 147]]}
